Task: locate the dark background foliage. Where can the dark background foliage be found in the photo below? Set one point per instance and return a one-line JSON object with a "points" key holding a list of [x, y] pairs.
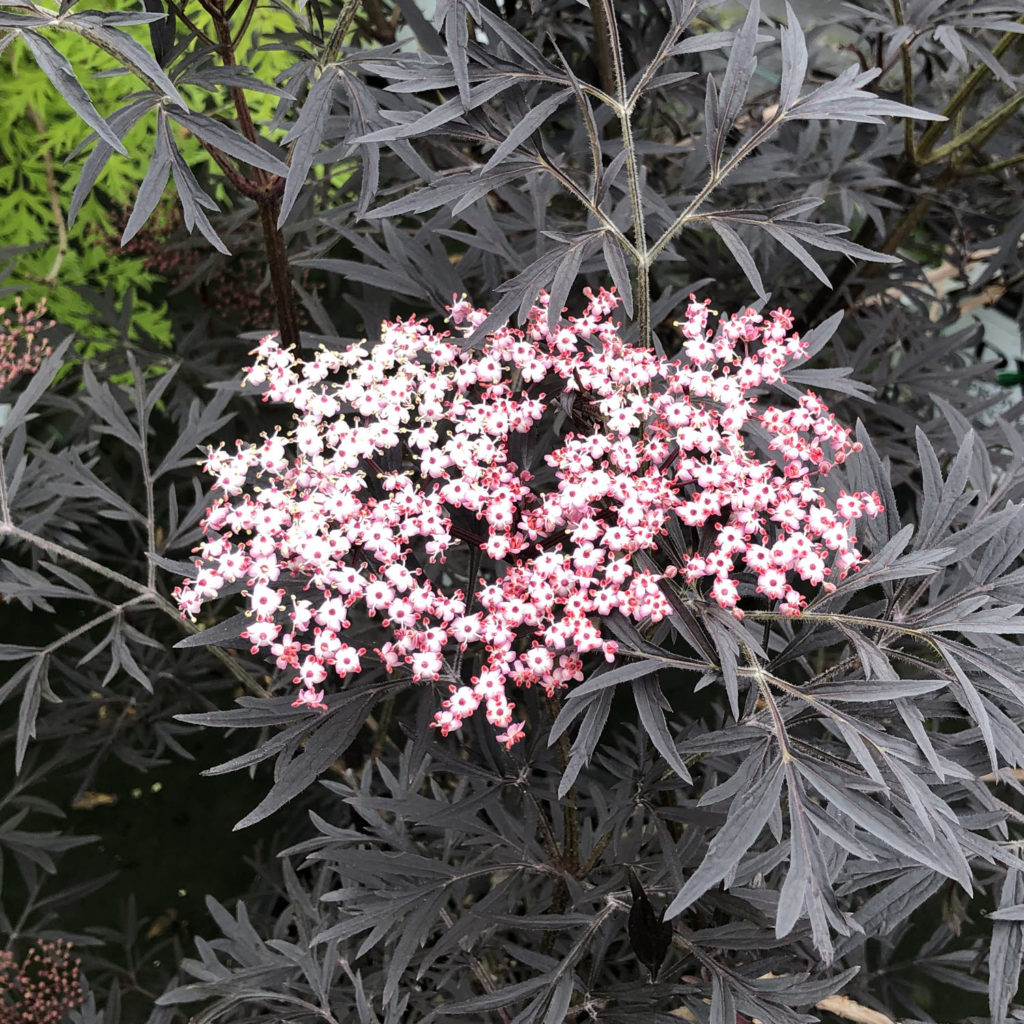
{"points": [[852, 777]]}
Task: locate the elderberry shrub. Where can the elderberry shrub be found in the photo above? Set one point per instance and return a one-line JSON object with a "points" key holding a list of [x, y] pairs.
{"points": [[794, 788]]}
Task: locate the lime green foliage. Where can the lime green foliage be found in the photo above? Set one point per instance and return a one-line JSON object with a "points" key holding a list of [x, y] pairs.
{"points": [[38, 131]]}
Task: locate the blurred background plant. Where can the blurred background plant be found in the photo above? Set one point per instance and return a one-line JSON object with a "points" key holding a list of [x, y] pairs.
{"points": [[335, 164], [38, 133], [78, 263], [22, 348]]}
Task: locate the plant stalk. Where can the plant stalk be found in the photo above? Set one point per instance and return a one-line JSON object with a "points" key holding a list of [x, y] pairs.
{"points": [[265, 196]]}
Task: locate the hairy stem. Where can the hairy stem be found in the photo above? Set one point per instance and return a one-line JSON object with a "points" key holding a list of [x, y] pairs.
{"points": [[609, 30], [908, 83], [340, 30]]}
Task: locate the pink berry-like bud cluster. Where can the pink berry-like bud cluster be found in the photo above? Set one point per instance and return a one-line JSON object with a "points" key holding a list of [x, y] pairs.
{"points": [[43, 988], [402, 450], [21, 347]]}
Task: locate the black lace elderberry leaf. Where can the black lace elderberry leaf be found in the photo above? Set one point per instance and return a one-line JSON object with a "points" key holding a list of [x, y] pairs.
{"points": [[649, 934]]}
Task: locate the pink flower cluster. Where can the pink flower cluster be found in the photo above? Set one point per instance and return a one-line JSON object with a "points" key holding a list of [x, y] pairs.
{"points": [[43, 988], [21, 348], [629, 441]]}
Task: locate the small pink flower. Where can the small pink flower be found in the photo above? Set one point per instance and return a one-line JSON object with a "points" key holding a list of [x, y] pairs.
{"points": [[310, 698], [512, 735], [772, 583], [261, 634], [311, 672]]}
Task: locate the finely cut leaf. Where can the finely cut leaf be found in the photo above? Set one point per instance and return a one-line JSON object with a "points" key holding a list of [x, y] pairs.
{"points": [[748, 814], [741, 254], [121, 122], [306, 136], [536, 117], [153, 184], [221, 137], [37, 386], [738, 73], [650, 700], [329, 742], [62, 76], [794, 60], [586, 741], [225, 634], [1004, 957], [843, 99], [97, 29]]}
